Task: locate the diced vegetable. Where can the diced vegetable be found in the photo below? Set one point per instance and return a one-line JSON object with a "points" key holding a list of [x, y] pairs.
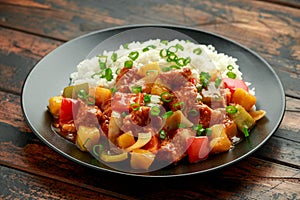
{"points": [[143, 138], [87, 137], [198, 148], [242, 118], [230, 129], [72, 91], [220, 144], [125, 140], [114, 128], [243, 98], [149, 69], [158, 89], [141, 159], [233, 84], [257, 114], [113, 157], [68, 106], [175, 119], [54, 105], [102, 95]]}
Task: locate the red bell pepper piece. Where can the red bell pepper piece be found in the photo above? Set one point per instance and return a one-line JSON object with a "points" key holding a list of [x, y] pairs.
{"points": [[198, 148], [67, 110], [233, 84]]}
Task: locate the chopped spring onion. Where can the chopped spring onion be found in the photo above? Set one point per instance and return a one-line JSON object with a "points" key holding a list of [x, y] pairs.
{"points": [[128, 64], [230, 67], [136, 89], [172, 57], [162, 134], [163, 53], [245, 131], [204, 78], [82, 94], [113, 89], [166, 97], [147, 98], [187, 61], [197, 51], [166, 69], [114, 56], [148, 48], [180, 61], [218, 82], [180, 125], [133, 55], [125, 46], [167, 114], [102, 61], [231, 75], [179, 105], [135, 106], [193, 113], [165, 42], [172, 49], [179, 46], [199, 129], [107, 74], [97, 149], [155, 111], [208, 131], [231, 109]]}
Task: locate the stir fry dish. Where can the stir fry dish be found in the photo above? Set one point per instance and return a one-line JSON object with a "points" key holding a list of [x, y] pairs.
{"points": [[157, 112]]}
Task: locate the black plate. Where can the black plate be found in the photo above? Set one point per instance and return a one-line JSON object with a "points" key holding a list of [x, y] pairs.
{"points": [[51, 75]]}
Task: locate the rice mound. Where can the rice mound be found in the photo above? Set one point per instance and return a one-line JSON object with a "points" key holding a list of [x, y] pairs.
{"points": [[208, 60]]}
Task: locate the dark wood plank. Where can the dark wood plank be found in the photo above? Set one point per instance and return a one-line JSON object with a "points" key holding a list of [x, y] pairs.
{"points": [[20, 185], [19, 53]]}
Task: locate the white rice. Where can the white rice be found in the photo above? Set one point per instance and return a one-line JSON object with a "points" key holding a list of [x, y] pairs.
{"points": [[207, 61]]}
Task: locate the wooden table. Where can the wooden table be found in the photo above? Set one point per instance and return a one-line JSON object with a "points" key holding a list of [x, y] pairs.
{"points": [[30, 29]]}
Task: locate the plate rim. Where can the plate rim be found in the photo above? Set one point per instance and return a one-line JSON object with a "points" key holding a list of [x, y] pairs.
{"points": [[132, 26]]}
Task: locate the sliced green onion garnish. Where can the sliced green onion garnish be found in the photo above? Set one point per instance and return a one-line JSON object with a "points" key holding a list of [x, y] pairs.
{"points": [[245, 131], [180, 125], [82, 94], [187, 61], [97, 149], [179, 105], [167, 114], [125, 46], [147, 98], [113, 89], [193, 113], [166, 97], [155, 111], [108, 74], [124, 114], [136, 89], [180, 61], [166, 69], [208, 131], [179, 46], [231, 109], [114, 56], [148, 48], [204, 78], [133, 55], [218, 82], [163, 53], [230, 67], [197, 51], [199, 129], [172, 57], [118, 70], [231, 75], [135, 106], [162, 134], [128, 64], [174, 67], [102, 61], [172, 49], [165, 42]]}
